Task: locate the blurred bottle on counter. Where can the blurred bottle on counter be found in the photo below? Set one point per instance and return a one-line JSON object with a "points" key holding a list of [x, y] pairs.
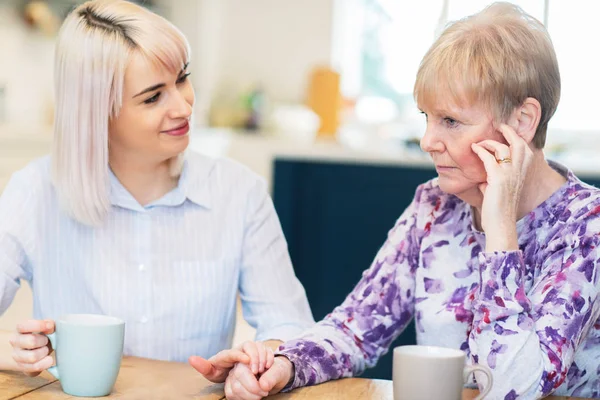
{"points": [[325, 99], [255, 102]]}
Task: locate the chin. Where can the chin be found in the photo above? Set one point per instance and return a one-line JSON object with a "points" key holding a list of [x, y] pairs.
{"points": [[177, 146], [453, 186]]}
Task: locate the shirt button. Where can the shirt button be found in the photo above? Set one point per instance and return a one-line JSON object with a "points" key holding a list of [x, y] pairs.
{"points": [[143, 320], [141, 267]]}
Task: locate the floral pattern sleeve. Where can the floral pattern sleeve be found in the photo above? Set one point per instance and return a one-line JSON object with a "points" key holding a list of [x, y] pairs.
{"points": [[530, 315], [362, 328], [529, 338]]}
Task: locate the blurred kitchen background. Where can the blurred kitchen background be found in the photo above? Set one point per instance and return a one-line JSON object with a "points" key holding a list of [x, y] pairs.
{"points": [[315, 96]]}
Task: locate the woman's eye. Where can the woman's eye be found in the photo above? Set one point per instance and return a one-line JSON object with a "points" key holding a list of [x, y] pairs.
{"points": [[152, 99], [450, 122], [183, 78]]}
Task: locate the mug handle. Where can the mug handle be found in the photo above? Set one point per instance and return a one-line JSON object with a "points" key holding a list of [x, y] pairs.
{"points": [[488, 373], [53, 369]]}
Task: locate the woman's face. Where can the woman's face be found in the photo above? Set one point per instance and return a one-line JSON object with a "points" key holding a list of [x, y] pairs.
{"points": [[153, 122], [450, 132]]}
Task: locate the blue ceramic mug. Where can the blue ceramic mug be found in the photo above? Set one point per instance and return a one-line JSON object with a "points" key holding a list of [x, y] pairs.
{"points": [[88, 350]]}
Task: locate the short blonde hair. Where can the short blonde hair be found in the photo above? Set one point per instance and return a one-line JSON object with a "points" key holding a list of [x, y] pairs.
{"points": [[92, 52], [499, 56]]}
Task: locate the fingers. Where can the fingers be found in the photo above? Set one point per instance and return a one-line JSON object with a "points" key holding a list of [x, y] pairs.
{"points": [[202, 365], [520, 148], [500, 150], [251, 349], [215, 369], [510, 135], [259, 354], [31, 348], [235, 391], [489, 161], [30, 356], [276, 377], [35, 368], [243, 374], [36, 326], [228, 358], [29, 341], [270, 358]]}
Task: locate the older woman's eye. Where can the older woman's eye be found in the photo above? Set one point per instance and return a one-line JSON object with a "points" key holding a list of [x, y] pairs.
{"points": [[451, 122]]}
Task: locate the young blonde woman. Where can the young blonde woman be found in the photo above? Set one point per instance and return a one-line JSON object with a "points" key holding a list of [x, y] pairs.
{"points": [[498, 256], [119, 220]]}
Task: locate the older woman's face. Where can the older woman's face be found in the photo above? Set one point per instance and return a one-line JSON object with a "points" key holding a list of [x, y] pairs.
{"points": [[450, 132], [153, 122]]}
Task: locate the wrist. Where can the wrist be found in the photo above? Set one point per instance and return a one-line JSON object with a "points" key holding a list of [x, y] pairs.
{"points": [[289, 369], [501, 237]]}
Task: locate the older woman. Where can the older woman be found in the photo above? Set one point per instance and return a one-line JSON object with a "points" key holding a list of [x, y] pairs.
{"points": [[119, 221], [497, 256]]}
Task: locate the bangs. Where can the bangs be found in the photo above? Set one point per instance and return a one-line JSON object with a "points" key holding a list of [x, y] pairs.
{"points": [[163, 45], [167, 48], [464, 69], [447, 78]]}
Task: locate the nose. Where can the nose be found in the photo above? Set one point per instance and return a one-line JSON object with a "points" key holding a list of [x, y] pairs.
{"points": [[430, 142], [182, 105]]}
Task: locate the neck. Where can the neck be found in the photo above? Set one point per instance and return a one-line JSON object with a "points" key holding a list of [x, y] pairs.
{"points": [[540, 183], [144, 180]]}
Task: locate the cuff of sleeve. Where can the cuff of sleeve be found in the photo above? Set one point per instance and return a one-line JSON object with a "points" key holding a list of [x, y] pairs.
{"points": [[502, 277], [300, 378]]}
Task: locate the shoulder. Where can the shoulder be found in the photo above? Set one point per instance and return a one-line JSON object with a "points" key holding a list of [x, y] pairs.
{"points": [[225, 182], [221, 171], [34, 177]]}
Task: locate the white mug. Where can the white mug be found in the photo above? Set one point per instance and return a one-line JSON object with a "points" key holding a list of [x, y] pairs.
{"points": [[432, 373]]}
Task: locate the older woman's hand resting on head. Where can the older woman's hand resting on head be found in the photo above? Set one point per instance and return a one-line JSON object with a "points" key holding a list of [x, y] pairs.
{"points": [[497, 256]]}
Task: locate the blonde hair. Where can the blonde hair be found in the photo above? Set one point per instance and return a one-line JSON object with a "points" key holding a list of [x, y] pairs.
{"points": [[93, 49], [500, 57]]}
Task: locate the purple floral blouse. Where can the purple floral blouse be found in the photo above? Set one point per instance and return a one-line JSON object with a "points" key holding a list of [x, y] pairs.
{"points": [[530, 315]]}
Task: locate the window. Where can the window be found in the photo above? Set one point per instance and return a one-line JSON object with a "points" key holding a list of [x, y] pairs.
{"points": [[378, 45]]}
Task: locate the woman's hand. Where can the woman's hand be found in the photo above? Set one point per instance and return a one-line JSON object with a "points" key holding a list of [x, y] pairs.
{"points": [[241, 384], [31, 347], [506, 168], [216, 368], [256, 355]]}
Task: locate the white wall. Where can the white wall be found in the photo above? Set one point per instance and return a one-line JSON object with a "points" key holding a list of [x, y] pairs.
{"points": [[239, 43], [26, 60], [275, 43], [235, 44]]}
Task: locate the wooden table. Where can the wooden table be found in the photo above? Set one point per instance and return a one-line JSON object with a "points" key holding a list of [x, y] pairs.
{"points": [[149, 379]]}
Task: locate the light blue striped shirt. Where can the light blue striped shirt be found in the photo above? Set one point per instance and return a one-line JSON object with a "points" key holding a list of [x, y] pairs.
{"points": [[171, 269]]}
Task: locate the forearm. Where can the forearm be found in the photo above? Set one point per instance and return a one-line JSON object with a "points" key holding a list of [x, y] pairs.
{"points": [[6, 361], [505, 336], [502, 237]]}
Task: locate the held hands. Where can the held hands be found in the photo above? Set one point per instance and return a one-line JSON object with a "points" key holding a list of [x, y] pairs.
{"points": [[241, 384], [31, 347], [250, 371], [506, 168]]}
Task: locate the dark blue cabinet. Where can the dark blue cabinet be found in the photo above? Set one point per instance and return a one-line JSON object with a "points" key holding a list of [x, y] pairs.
{"points": [[335, 217]]}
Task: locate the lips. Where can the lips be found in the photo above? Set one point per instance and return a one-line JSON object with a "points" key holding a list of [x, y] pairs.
{"points": [[179, 130]]}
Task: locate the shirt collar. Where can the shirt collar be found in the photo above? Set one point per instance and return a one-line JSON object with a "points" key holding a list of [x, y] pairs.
{"points": [[193, 185]]}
